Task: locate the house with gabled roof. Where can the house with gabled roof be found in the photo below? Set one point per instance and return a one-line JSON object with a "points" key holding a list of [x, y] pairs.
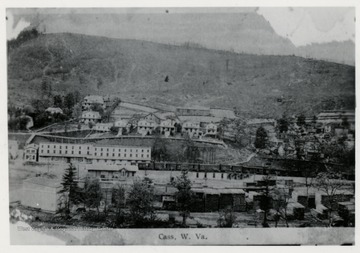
{"points": [[146, 127], [90, 116], [167, 127], [31, 153], [92, 100], [192, 129]]}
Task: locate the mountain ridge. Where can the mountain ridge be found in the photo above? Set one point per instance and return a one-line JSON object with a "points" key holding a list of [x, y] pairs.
{"points": [[136, 70], [211, 30]]}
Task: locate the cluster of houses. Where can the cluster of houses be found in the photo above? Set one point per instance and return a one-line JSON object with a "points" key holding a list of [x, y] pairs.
{"points": [[89, 115], [326, 127], [195, 121]]}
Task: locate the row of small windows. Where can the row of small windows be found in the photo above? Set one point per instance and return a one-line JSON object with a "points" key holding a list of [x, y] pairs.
{"points": [[131, 155], [101, 149], [60, 146], [100, 154], [72, 152], [205, 175]]}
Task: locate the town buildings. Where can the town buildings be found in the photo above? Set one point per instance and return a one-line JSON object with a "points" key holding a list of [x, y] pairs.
{"points": [[336, 116]]}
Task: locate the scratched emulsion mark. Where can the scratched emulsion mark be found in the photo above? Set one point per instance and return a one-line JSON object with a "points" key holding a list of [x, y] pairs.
{"points": [[323, 33]]}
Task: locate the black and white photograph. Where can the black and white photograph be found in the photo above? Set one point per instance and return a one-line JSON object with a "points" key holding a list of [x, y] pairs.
{"points": [[180, 125]]}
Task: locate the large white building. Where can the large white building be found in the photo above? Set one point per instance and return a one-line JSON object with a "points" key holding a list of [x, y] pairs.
{"points": [[92, 153]]}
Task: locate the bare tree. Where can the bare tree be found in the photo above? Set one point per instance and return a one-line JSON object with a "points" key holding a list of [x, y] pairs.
{"points": [[281, 198], [330, 183]]}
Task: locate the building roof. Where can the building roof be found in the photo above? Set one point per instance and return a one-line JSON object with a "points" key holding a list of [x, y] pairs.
{"points": [[350, 205], [94, 99], [112, 167], [195, 107], [260, 121], [99, 145], [32, 145], [167, 123], [145, 122], [293, 204], [201, 119], [137, 107], [44, 181], [191, 124], [105, 124], [211, 125], [54, 110], [217, 191], [96, 114], [162, 189], [121, 123], [222, 113]]}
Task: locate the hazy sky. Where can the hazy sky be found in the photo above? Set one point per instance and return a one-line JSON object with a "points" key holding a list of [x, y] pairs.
{"points": [[301, 26]]}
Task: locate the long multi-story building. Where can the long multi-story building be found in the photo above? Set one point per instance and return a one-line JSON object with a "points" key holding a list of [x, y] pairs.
{"points": [[193, 111], [93, 153]]}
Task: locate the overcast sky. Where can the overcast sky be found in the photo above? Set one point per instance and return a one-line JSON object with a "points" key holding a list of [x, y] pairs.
{"points": [[301, 26]]}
